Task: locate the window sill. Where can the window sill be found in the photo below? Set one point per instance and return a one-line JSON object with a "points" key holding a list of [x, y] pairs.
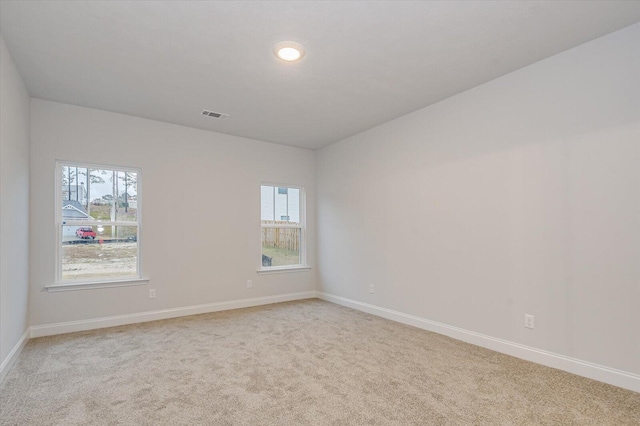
{"points": [[87, 285], [283, 269]]}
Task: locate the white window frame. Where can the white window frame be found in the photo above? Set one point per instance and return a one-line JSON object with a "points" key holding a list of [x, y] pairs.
{"points": [[80, 284], [302, 266]]}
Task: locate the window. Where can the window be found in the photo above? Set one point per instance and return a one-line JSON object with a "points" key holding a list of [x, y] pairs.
{"points": [[98, 223], [283, 227]]}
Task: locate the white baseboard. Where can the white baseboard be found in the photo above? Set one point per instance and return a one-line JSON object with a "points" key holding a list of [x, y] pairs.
{"points": [[95, 323], [590, 370], [13, 355]]}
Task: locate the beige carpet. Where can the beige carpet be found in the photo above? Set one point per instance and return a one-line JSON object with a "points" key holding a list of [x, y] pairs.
{"points": [[298, 363]]}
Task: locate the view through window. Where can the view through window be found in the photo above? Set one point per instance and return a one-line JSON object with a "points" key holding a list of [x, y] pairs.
{"points": [[98, 220], [282, 214]]}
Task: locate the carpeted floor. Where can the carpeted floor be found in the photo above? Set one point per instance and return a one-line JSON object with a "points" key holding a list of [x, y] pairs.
{"points": [[297, 363]]}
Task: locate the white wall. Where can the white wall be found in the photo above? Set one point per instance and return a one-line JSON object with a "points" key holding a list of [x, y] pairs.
{"points": [[14, 205], [200, 210], [519, 196]]}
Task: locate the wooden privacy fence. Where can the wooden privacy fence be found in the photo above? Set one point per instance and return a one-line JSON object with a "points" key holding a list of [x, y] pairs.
{"points": [[282, 238]]}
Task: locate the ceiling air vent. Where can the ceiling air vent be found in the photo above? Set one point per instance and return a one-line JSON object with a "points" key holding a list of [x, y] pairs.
{"points": [[218, 115]]}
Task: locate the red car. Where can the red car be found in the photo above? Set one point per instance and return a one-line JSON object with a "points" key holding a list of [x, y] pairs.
{"points": [[86, 233]]}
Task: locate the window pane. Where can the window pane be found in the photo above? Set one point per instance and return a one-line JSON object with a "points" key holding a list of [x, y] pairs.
{"points": [[97, 252], [279, 204], [293, 206], [74, 184], [280, 246], [126, 195], [266, 202], [100, 194]]}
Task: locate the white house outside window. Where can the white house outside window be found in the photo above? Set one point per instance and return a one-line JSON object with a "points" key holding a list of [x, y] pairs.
{"points": [[98, 222], [282, 226]]}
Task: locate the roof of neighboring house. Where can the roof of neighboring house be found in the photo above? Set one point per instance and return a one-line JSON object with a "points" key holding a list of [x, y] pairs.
{"points": [[72, 209]]}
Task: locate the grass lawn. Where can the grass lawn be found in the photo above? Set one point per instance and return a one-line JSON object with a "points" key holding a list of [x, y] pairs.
{"points": [[281, 257], [104, 213]]}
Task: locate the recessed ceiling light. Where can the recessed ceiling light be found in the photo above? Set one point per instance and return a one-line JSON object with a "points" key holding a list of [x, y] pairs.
{"points": [[289, 51]]}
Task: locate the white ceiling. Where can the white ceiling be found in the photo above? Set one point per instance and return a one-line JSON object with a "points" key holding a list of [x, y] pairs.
{"points": [[366, 62]]}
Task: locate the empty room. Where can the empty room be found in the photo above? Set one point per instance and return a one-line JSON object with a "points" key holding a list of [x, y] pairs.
{"points": [[319, 212]]}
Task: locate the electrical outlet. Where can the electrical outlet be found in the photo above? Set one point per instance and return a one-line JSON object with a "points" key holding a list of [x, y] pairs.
{"points": [[152, 293], [249, 283], [528, 321], [371, 289]]}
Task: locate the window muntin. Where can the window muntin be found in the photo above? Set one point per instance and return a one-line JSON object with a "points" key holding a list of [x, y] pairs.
{"points": [[282, 226], [98, 221]]}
